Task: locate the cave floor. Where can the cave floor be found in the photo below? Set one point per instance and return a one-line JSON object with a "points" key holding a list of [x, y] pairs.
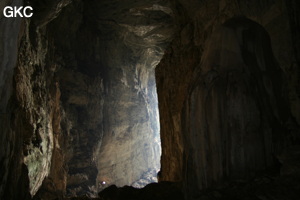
{"points": [[265, 186]]}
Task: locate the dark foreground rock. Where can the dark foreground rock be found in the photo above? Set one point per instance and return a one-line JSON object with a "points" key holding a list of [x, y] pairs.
{"points": [[266, 186], [159, 191], [277, 183]]}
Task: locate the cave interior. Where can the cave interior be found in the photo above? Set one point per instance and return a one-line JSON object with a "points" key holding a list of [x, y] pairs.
{"points": [[151, 99]]}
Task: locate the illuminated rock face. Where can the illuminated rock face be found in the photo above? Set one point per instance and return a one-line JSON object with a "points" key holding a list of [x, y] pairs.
{"points": [[109, 128], [121, 48], [85, 98], [108, 91], [130, 148]]}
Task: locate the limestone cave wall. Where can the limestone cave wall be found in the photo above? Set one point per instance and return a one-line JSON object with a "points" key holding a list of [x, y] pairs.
{"points": [[13, 173], [83, 109], [224, 87]]}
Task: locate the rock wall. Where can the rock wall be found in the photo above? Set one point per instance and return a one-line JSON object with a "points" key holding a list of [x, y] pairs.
{"points": [[293, 70], [134, 40], [31, 110], [13, 181], [222, 94], [115, 119], [84, 99], [234, 116]]}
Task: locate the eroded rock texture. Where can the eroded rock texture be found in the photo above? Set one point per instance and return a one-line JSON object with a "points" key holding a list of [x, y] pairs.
{"points": [[222, 96], [85, 105], [234, 113], [119, 44], [13, 175], [133, 38]]}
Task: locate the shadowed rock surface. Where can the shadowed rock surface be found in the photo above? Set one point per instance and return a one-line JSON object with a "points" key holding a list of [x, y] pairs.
{"points": [[233, 109], [163, 190], [217, 122]]}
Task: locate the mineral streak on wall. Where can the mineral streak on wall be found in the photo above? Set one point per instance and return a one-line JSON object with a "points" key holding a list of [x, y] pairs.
{"points": [[223, 92]]}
